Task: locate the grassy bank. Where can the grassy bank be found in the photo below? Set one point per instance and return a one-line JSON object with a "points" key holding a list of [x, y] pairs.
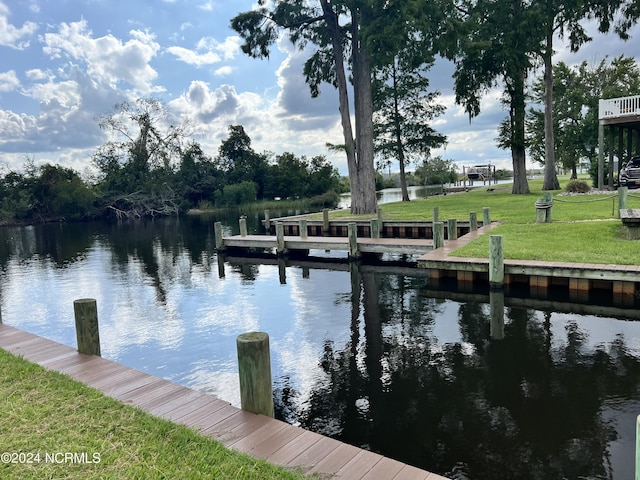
{"points": [[585, 228], [44, 412]]}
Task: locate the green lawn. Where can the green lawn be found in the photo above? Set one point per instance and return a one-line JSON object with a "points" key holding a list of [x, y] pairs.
{"points": [[584, 229], [44, 412]]}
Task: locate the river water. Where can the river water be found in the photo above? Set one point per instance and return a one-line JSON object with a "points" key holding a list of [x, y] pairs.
{"points": [[369, 354]]}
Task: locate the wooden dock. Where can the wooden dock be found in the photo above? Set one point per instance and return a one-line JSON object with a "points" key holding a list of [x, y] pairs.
{"points": [[262, 437], [409, 246]]}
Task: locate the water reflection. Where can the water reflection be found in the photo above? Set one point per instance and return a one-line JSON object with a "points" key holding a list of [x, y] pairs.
{"points": [[474, 386]]}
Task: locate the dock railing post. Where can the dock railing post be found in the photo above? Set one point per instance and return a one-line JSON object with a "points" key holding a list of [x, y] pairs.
{"points": [[254, 372], [622, 198], [280, 247], [496, 262], [452, 229], [87, 331], [438, 234], [325, 221], [302, 227], [436, 214], [374, 228], [473, 221], [353, 239], [267, 221], [217, 231], [243, 226], [486, 216]]}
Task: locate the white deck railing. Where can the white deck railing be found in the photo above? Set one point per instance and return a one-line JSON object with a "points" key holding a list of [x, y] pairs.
{"points": [[619, 107]]}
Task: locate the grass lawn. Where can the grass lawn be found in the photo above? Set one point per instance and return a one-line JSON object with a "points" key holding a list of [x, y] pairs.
{"points": [[46, 412], [585, 228]]}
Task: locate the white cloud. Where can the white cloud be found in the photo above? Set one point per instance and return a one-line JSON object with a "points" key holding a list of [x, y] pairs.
{"points": [[9, 81], [208, 51], [11, 36], [194, 58], [223, 71], [108, 60]]}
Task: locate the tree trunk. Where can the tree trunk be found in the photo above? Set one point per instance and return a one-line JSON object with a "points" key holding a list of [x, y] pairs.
{"points": [[550, 177], [398, 131], [518, 154]]}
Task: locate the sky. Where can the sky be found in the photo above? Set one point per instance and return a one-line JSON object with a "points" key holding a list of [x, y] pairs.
{"points": [[66, 63]]}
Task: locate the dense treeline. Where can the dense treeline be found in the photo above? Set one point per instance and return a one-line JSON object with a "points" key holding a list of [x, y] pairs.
{"points": [[150, 174]]}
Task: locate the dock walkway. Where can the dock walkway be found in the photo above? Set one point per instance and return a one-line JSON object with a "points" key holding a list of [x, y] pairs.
{"points": [[262, 437]]}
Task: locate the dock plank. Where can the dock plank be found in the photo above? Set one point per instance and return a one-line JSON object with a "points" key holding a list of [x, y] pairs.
{"points": [[257, 435]]}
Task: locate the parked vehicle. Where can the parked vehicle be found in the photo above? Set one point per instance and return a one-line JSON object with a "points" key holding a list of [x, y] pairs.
{"points": [[630, 173]]}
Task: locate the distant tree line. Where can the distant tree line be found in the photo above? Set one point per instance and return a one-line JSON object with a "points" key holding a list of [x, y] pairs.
{"points": [[148, 170]]}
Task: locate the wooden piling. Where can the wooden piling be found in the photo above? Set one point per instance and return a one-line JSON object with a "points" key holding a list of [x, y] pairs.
{"points": [[280, 248], [473, 221], [374, 228], [325, 221], [486, 216], [353, 239], [452, 229], [303, 229], [267, 220], [87, 331], [496, 262], [254, 371], [243, 226], [438, 234], [623, 193], [217, 229], [436, 214]]}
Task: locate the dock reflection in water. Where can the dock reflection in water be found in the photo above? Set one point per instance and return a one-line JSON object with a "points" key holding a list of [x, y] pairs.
{"points": [[372, 355]]}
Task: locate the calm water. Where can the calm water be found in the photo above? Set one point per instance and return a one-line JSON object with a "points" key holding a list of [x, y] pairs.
{"points": [[367, 354]]}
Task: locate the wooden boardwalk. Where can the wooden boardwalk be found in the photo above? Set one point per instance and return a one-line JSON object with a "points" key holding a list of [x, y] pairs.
{"points": [[262, 437]]}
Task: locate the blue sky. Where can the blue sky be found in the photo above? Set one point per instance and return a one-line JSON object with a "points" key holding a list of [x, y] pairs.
{"points": [[64, 63]]}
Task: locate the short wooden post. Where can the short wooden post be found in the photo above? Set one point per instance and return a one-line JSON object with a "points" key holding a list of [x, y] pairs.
{"points": [[217, 229], [452, 229], [325, 221], [473, 221], [438, 234], [267, 220], [496, 262], [436, 214], [353, 239], [254, 371], [486, 216], [302, 227], [623, 193], [87, 332], [280, 247], [243, 226], [374, 228]]}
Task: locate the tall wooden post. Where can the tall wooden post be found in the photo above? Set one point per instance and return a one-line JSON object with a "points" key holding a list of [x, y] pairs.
{"points": [[496, 262], [243, 226], [452, 229], [486, 216], [438, 234], [473, 221], [325, 221], [302, 227], [353, 239], [280, 248], [267, 220], [254, 370], [217, 230], [622, 198], [87, 332], [374, 228], [436, 214]]}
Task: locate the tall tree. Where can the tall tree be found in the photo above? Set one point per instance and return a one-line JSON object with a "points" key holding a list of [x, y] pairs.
{"points": [[335, 30], [404, 110], [560, 18], [496, 43]]}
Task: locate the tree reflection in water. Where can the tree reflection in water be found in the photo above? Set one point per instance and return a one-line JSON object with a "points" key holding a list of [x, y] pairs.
{"points": [[522, 405]]}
